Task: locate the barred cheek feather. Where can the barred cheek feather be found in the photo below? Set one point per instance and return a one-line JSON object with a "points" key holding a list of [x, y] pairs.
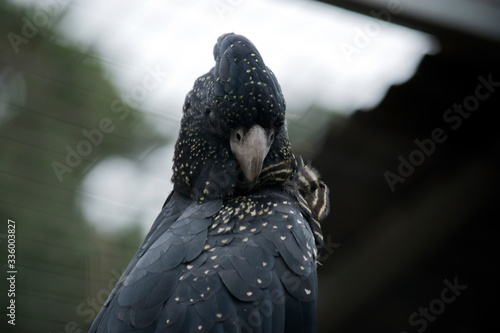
{"points": [[222, 249]]}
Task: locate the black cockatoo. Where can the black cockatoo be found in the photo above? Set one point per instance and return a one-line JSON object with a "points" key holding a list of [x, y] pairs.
{"points": [[235, 246]]}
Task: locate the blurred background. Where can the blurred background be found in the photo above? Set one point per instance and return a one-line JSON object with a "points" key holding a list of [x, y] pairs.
{"points": [[393, 101]]}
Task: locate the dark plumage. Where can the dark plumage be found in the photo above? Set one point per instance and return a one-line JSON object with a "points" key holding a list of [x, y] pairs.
{"points": [[234, 248]]}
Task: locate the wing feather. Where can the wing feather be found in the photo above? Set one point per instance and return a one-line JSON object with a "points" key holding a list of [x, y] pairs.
{"points": [[245, 264]]}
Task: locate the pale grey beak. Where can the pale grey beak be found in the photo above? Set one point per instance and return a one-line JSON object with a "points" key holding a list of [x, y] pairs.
{"points": [[250, 149]]}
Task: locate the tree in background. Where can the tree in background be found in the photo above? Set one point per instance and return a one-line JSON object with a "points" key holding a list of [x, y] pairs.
{"points": [[59, 116]]}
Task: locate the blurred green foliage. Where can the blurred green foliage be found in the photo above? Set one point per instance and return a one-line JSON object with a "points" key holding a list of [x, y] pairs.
{"points": [[49, 94]]}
